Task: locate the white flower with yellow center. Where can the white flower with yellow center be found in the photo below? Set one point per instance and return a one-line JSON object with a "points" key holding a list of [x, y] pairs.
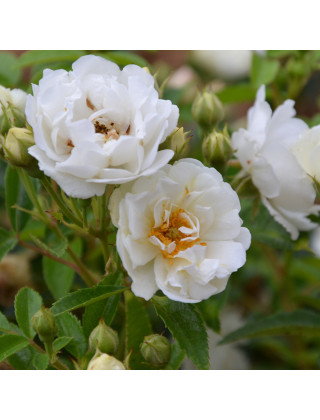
{"points": [[307, 152], [179, 231], [265, 152], [98, 125]]}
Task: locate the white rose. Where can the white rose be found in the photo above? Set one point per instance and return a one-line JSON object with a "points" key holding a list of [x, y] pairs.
{"points": [[307, 152], [225, 64], [265, 152], [102, 361], [98, 125], [16, 98], [179, 231]]}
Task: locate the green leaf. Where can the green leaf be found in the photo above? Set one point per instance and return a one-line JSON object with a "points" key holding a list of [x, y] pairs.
{"points": [[10, 344], [4, 323], [32, 58], [40, 361], [137, 327], [23, 359], [27, 303], [210, 308], [176, 358], [84, 297], [298, 322], [309, 301], [69, 326], [123, 58], [9, 73], [263, 71], [15, 194], [60, 342], [281, 53], [187, 327], [59, 277], [7, 242], [105, 309], [57, 249], [237, 93]]}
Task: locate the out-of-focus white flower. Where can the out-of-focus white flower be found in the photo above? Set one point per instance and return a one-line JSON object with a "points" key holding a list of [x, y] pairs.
{"points": [[227, 65], [15, 97], [228, 356], [179, 231], [98, 125], [307, 152], [102, 361], [265, 152], [314, 241]]}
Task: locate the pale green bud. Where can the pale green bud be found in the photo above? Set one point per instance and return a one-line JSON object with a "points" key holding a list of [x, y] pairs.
{"points": [[177, 140], [16, 146], [44, 324], [156, 350], [103, 338], [217, 148], [102, 361], [207, 110]]}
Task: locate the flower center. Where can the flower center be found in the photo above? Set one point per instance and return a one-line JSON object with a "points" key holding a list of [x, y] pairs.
{"points": [[178, 232], [110, 133]]}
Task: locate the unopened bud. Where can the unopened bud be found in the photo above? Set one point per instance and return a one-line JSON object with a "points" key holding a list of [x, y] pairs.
{"points": [[16, 147], [156, 350], [44, 324], [102, 361], [104, 338], [177, 141], [217, 148], [207, 110]]}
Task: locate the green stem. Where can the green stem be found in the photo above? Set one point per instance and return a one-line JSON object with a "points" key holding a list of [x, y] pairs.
{"points": [[57, 364], [26, 181], [55, 196]]}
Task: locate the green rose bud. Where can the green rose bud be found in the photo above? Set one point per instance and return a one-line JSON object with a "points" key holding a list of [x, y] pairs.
{"points": [[156, 350], [217, 148], [207, 110], [102, 361], [16, 146], [103, 338], [45, 325]]}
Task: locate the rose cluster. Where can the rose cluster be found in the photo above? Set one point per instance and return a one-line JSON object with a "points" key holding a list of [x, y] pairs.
{"points": [[179, 228]]}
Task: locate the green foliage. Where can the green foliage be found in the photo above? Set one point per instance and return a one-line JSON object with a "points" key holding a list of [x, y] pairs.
{"points": [[105, 309], [177, 357], [123, 58], [237, 93], [137, 327], [84, 297], [60, 342], [210, 309], [10, 344], [57, 248], [263, 71], [27, 303], [10, 74], [298, 322], [16, 195], [59, 277], [187, 327], [31, 58], [263, 227], [7, 242], [70, 326]]}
